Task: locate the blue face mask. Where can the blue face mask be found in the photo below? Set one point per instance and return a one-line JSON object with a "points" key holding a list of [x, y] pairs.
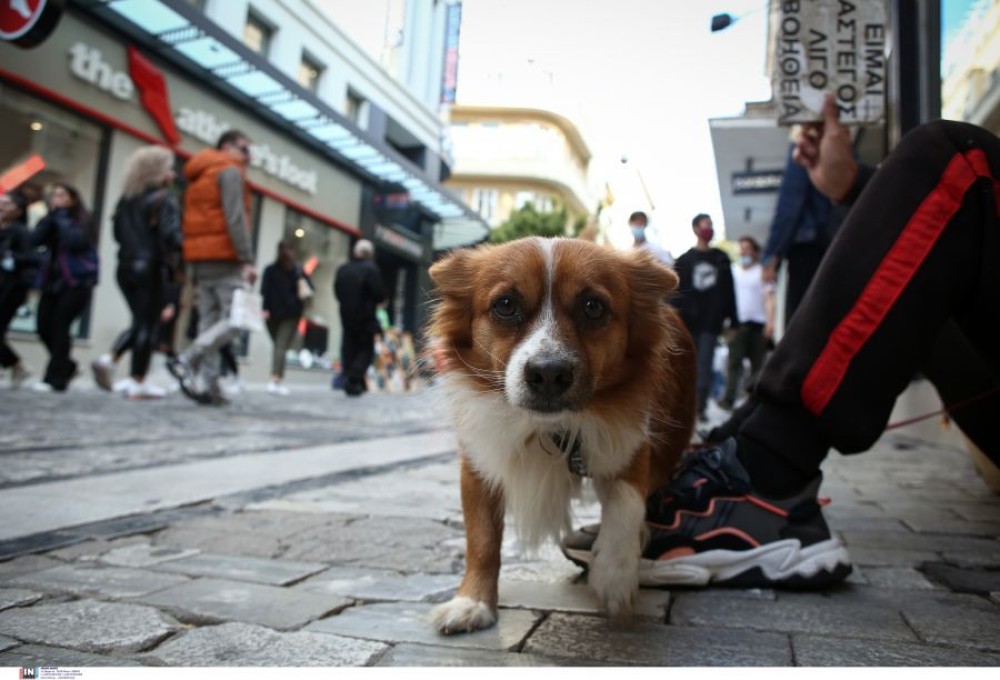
{"points": [[638, 232], [746, 261]]}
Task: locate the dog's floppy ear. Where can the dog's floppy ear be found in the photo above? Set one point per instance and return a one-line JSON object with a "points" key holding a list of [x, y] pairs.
{"points": [[451, 319], [652, 283], [651, 278]]}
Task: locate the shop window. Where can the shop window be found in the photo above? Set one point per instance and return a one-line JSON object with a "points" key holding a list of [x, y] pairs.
{"points": [[70, 148], [257, 34], [354, 108], [309, 73], [319, 250]]}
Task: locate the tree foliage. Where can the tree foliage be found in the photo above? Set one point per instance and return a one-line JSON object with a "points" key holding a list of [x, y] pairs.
{"points": [[528, 221]]}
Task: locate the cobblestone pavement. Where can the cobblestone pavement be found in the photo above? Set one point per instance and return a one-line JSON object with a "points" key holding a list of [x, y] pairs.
{"points": [[319, 531]]}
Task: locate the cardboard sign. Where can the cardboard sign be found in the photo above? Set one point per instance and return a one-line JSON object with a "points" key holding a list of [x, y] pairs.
{"points": [[822, 46]]}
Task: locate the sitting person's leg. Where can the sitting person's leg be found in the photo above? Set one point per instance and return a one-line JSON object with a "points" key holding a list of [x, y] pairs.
{"points": [[899, 271]]}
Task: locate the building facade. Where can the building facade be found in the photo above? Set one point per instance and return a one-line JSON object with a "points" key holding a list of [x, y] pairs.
{"points": [[341, 150], [971, 87], [514, 143]]}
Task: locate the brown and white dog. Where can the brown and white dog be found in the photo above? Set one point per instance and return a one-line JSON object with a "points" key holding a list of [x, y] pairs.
{"points": [[559, 354]]}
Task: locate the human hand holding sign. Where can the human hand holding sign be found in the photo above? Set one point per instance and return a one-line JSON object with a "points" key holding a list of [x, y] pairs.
{"points": [[825, 150]]}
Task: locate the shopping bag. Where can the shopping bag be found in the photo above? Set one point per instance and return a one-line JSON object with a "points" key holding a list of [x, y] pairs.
{"points": [[303, 289], [245, 312]]}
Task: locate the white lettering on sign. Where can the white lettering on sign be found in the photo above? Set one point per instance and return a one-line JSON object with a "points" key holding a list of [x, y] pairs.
{"points": [[206, 127], [87, 64], [829, 46]]}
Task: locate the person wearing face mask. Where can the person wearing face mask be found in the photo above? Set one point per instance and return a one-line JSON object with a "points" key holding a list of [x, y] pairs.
{"points": [[755, 316], [638, 222], [706, 300]]}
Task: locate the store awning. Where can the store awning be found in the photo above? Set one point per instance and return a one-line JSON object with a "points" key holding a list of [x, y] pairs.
{"points": [[182, 35]]}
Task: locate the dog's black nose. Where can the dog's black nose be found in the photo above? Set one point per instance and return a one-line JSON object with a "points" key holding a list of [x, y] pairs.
{"points": [[548, 377]]}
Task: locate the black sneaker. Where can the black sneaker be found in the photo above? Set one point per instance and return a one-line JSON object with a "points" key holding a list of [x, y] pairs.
{"points": [[708, 527]]}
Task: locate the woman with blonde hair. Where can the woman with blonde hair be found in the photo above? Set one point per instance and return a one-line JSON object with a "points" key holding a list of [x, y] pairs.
{"points": [[147, 227]]}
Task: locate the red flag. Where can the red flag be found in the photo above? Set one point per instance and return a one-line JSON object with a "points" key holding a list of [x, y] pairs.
{"points": [[153, 93]]}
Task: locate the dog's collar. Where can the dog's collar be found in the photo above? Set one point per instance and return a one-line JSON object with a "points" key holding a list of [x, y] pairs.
{"points": [[570, 448]]}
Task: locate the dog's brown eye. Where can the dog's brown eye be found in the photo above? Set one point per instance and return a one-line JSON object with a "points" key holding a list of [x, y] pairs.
{"points": [[593, 309], [505, 307]]}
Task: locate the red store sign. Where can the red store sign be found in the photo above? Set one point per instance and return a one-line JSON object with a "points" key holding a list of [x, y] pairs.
{"points": [[27, 23]]}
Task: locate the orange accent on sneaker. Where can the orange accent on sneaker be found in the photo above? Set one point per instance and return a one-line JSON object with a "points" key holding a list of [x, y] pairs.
{"points": [[676, 552], [730, 531], [767, 506]]}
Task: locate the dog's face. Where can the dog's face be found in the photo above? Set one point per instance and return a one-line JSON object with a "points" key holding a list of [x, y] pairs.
{"points": [[552, 324]]}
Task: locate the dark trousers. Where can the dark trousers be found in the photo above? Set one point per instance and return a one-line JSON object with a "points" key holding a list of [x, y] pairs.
{"points": [[748, 342], [803, 261], [911, 283], [12, 296], [357, 351], [143, 292], [704, 343], [56, 313]]}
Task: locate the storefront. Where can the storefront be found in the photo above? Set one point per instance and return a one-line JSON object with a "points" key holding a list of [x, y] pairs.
{"points": [[89, 97]]}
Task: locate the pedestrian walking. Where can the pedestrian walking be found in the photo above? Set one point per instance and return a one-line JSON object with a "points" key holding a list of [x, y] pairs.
{"points": [[218, 249], [285, 289], [18, 269], [147, 228], [67, 276], [755, 321], [359, 290], [706, 300]]}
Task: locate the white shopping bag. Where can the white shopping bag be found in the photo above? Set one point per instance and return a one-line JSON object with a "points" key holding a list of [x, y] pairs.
{"points": [[245, 312]]}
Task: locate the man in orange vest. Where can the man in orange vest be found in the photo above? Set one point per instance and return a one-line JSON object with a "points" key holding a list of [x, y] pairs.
{"points": [[218, 248]]}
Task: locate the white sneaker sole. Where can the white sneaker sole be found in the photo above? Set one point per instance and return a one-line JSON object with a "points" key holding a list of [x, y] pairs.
{"points": [[779, 563]]}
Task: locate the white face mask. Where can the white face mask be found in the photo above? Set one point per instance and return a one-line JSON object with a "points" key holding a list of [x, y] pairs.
{"points": [[746, 260]]}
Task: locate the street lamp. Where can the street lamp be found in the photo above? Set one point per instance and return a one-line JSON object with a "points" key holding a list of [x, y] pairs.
{"points": [[642, 183]]}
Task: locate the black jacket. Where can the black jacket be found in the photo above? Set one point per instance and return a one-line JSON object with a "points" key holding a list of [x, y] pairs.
{"points": [[70, 257], [706, 297], [280, 293], [147, 227], [16, 252], [359, 289]]}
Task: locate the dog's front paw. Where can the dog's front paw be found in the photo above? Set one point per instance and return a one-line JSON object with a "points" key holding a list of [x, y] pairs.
{"points": [[462, 615], [614, 576]]}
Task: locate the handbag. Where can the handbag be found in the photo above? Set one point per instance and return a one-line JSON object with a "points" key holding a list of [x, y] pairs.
{"points": [[245, 312], [303, 289]]}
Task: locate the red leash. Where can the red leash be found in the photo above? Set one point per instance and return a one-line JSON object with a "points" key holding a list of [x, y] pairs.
{"points": [[943, 411]]}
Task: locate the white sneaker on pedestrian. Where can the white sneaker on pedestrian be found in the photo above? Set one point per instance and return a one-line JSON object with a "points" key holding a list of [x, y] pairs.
{"points": [[232, 387], [145, 390], [277, 389], [19, 374], [123, 385], [41, 387], [104, 372]]}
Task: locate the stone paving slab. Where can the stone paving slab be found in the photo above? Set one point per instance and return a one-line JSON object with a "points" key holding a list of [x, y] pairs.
{"points": [[575, 598], [376, 585], [241, 644], [88, 580], [89, 626], [255, 534], [898, 578], [410, 655], [405, 622], [829, 651], [17, 597], [963, 580], [582, 638], [7, 643], [41, 655], [963, 621], [242, 568], [412, 545], [835, 614], [27, 564], [217, 601], [146, 555]]}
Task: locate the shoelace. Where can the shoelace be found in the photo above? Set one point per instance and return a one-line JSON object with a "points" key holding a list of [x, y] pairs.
{"points": [[708, 466]]}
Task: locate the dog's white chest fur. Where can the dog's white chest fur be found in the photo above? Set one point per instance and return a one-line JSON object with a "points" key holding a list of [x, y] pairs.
{"points": [[512, 449]]}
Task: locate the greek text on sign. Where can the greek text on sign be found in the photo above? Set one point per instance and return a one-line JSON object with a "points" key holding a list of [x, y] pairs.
{"points": [[825, 46]]}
